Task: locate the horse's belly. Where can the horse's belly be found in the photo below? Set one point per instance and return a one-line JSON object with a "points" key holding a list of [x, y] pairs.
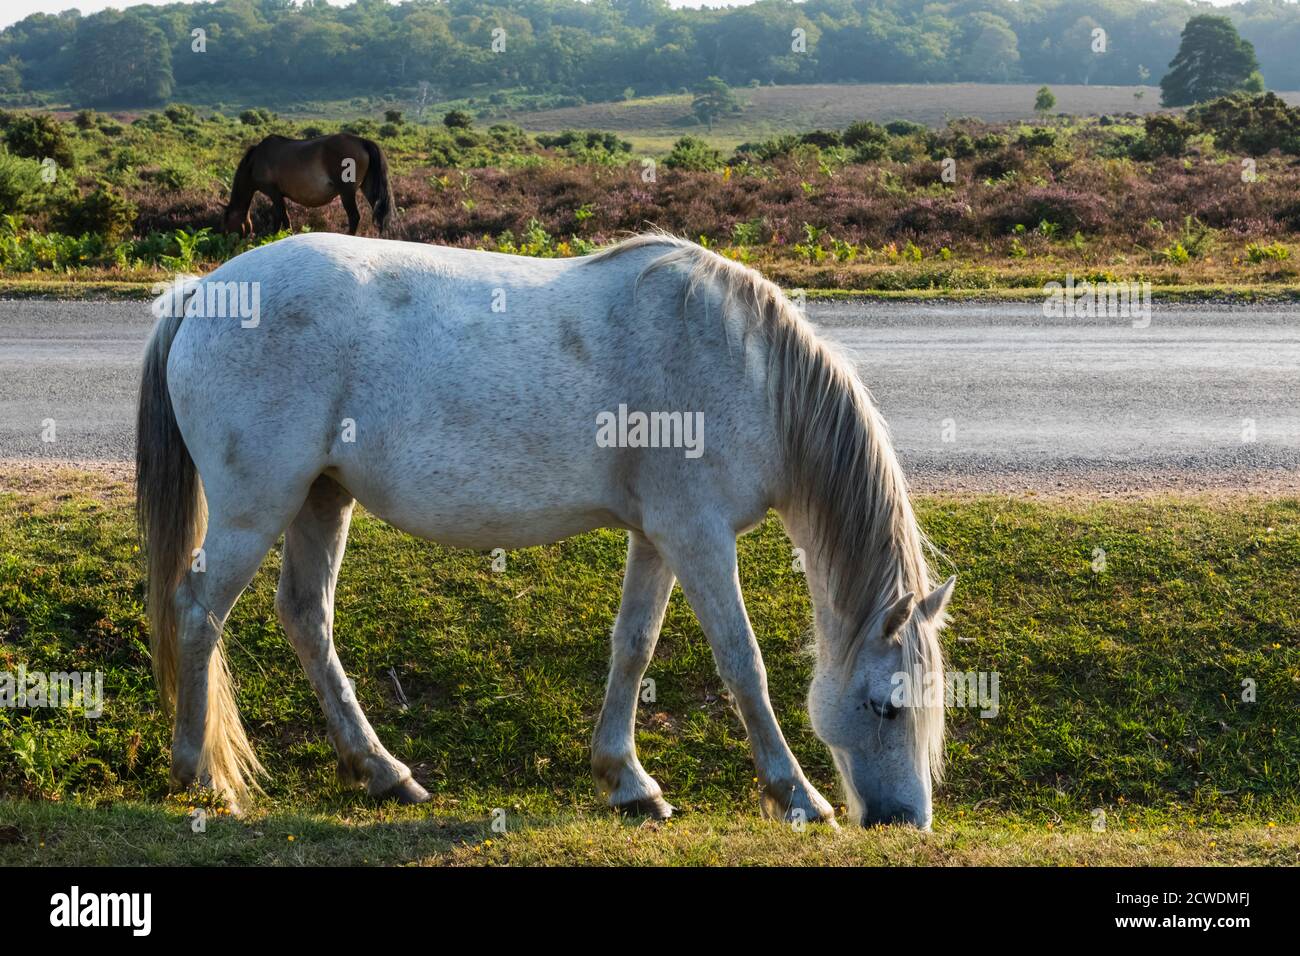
{"points": [[479, 515], [459, 531], [316, 191]]}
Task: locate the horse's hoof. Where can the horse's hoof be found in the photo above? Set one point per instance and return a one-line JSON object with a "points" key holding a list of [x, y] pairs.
{"points": [[405, 791], [348, 774], [656, 808]]}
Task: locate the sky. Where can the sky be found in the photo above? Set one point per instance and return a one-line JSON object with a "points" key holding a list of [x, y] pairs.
{"points": [[11, 11]]}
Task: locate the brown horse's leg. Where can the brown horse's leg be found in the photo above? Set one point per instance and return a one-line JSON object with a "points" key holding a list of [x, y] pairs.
{"points": [[349, 197], [281, 210]]}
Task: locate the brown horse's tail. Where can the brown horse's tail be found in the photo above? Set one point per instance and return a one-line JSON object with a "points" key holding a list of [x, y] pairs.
{"points": [[375, 186]]}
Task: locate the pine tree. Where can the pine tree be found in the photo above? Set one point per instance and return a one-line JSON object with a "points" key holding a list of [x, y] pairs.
{"points": [[1212, 60]]}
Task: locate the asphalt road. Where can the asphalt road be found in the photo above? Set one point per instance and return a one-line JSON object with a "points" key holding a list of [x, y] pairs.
{"points": [[979, 397]]}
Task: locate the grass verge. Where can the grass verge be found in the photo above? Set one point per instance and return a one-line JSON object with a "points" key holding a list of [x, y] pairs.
{"points": [[1160, 689], [148, 834]]}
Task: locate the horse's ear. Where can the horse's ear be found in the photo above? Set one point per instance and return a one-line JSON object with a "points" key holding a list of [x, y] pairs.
{"points": [[896, 615], [932, 607]]}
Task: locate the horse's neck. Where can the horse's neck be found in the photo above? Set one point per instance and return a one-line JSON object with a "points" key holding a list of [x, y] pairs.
{"points": [[242, 189], [800, 526], [836, 627]]}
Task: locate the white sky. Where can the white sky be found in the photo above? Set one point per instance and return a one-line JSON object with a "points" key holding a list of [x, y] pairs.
{"points": [[11, 11]]}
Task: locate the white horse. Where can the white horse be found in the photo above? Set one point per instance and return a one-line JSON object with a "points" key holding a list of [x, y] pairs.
{"points": [[483, 401]]}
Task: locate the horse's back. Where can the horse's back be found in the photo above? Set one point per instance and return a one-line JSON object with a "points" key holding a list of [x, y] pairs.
{"points": [[442, 383]]}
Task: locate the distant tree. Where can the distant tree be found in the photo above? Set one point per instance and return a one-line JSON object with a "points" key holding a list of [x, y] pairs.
{"points": [[458, 119], [11, 76], [1044, 100], [570, 51], [993, 50], [120, 60], [1080, 52], [713, 99], [1212, 60]]}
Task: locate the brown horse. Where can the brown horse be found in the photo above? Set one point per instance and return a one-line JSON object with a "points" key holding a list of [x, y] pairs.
{"points": [[311, 172]]}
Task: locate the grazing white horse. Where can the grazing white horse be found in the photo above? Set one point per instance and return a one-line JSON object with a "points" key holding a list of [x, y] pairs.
{"points": [[483, 401]]}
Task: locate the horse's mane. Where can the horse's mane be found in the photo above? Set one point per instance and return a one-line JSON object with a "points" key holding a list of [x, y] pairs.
{"points": [[842, 463]]}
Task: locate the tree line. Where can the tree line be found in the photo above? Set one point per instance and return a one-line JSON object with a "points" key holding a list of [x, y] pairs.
{"points": [[602, 49]]}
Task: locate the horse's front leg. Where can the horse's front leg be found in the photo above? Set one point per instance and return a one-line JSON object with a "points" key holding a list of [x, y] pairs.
{"points": [[647, 583], [704, 560]]}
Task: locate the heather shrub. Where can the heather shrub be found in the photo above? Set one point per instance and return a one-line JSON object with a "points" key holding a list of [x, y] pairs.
{"points": [[1068, 209], [1252, 124], [821, 138], [21, 185], [691, 153], [869, 141], [1165, 136], [586, 145], [36, 136], [768, 150], [904, 128], [999, 164], [955, 142], [931, 216], [1039, 137], [257, 117], [869, 194], [181, 114], [104, 211]]}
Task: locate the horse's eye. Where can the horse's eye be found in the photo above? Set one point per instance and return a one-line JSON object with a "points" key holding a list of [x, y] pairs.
{"points": [[886, 710]]}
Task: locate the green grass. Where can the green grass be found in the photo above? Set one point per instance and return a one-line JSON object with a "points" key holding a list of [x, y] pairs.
{"points": [[1119, 690], [653, 123], [347, 834]]}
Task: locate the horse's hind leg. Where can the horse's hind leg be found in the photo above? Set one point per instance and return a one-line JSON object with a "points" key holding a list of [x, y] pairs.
{"points": [[281, 209], [231, 555], [304, 602], [647, 583], [349, 198]]}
